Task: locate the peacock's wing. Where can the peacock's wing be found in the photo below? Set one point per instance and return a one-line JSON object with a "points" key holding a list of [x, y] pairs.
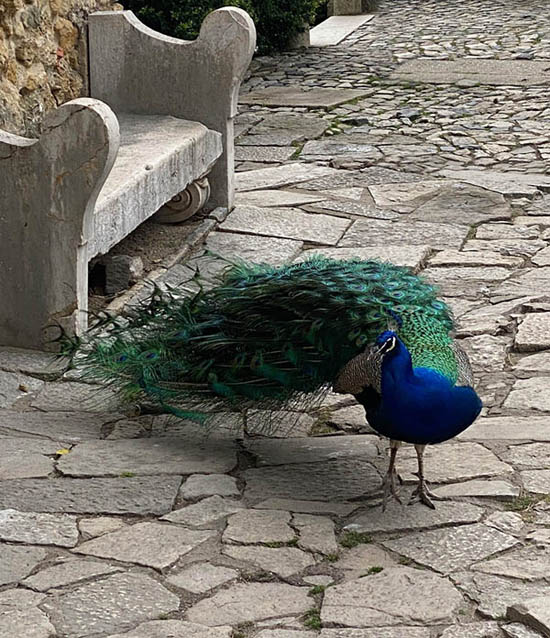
{"points": [[465, 373]]}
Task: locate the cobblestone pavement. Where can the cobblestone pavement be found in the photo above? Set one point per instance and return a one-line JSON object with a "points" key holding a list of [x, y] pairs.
{"points": [[113, 525]]}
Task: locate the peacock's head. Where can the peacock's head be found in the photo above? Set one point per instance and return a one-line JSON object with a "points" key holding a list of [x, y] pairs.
{"points": [[387, 344]]}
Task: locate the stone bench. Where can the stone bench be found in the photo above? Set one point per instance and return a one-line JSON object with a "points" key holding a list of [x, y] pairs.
{"points": [[94, 176]]}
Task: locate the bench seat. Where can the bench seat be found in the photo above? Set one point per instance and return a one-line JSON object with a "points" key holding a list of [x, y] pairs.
{"points": [[158, 157]]}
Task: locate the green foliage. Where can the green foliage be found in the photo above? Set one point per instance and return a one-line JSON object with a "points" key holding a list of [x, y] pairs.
{"points": [[277, 21], [352, 539], [312, 619], [318, 589]]}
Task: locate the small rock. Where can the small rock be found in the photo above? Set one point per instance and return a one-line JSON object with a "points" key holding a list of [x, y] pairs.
{"points": [[121, 271]]}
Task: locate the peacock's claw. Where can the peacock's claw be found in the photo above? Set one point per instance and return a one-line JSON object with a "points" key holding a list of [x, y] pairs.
{"points": [[389, 487], [423, 494]]}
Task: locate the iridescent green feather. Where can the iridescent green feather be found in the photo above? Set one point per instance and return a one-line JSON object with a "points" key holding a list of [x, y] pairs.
{"points": [[266, 336]]}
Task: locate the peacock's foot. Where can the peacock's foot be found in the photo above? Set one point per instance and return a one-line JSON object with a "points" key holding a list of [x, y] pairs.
{"points": [[389, 486], [423, 494]]}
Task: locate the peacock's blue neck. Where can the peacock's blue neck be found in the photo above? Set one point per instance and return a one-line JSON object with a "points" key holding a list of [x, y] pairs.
{"points": [[420, 405]]}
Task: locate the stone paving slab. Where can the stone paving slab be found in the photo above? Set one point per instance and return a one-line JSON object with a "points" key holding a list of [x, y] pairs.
{"points": [[139, 495], [395, 596], [259, 526], [398, 519], [175, 629], [532, 428], [493, 72], [43, 365], [313, 450], [14, 386], [268, 250], [63, 428], [288, 223], [201, 485], [450, 462], [401, 631], [334, 29], [38, 529], [290, 96], [149, 544], [508, 183], [21, 618], [18, 561], [68, 572], [113, 604], [286, 175], [273, 154], [249, 602], [374, 232], [307, 507], [283, 561], [24, 458], [199, 578], [413, 257], [533, 332], [534, 612], [494, 594], [64, 396], [528, 563], [275, 198], [448, 550], [149, 456], [477, 488], [330, 481], [204, 514]]}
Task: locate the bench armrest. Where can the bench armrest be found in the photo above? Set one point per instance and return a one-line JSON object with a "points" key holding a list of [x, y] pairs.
{"points": [[135, 69]]}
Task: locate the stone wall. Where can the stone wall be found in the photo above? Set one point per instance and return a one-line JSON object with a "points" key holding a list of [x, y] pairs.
{"points": [[43, 58]]}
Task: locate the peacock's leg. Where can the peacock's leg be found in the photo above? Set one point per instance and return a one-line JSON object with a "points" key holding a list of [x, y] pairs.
{"points": [[422, 492], [389, 482]]}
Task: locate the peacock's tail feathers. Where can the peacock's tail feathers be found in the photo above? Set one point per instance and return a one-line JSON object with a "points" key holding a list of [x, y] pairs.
{"points": [[264, 336]]}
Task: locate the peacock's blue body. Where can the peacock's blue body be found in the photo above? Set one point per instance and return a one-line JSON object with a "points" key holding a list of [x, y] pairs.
{"points": [[417, 405], [274, 336]]}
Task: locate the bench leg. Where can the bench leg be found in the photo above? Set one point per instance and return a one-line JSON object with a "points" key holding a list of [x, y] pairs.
{"points": [[185, 204]]}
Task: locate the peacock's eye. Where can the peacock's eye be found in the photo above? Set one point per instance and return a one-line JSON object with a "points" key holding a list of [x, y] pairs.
{"points": [[122, 358]]}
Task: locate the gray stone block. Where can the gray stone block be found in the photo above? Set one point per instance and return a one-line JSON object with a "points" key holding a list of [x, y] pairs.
{"points": [[140, 495], [249, 602], [149, 456], [395, 596], [150, 544], [18, 561], [116, 603]]}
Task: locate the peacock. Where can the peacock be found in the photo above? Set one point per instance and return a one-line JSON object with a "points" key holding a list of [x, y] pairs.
{"points": [[282, 336]]}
